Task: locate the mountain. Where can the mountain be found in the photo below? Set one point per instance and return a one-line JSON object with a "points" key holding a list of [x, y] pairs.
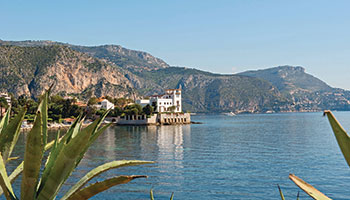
{"points": [[28, 70], [289, 79], [208, 92], [307, 92], [123, 57], [26, 67]]}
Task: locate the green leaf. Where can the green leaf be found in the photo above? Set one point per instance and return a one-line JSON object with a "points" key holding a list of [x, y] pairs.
{"points": [[19, 168], [100, 169], [59, 145], [5, 181], [281, 193], [298, 196], [342, 137], [98, 187], [63, 165], [32, 159], [151, 194], [309, 189], [10, 133], [172, 196], [42, 108], [5, 119]]}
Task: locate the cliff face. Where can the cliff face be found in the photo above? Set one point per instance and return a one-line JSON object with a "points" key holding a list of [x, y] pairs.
{"points": [[28, 70]]}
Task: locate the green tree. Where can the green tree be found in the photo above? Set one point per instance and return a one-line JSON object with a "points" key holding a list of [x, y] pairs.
{"points": [[172, 108], [92, 101], [148, 110]]}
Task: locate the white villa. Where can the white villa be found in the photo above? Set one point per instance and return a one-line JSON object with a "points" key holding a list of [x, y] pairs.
{"points": [[170, 100]]}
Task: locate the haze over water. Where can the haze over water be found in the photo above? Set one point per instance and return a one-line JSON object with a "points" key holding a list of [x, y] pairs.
{"points": [[240, 157]]}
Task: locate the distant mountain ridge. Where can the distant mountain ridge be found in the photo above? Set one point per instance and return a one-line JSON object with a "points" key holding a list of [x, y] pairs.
{"points": [[26, 67], [290, 79]]}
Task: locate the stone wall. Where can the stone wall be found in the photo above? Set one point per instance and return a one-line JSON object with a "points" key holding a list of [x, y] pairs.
{"points": [[137, 120], [163, 118], [174, 118]]}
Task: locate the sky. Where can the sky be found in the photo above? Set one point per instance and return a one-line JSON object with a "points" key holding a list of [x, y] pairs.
{"points": [[221, 36]]}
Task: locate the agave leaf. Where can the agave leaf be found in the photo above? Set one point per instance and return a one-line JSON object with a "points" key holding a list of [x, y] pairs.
{"points": [[9, 134], [32, 159], [309, 189], [19, 168], [42, 108], [5, 181], [59, 145], [98, 187], [100, 169], [298, 196], [5, 119], [151, 194], [93, 137], [281, 193], [63, 165], [12, 158], [342, 137]]}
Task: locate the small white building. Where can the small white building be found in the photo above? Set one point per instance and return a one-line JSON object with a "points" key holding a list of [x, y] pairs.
{"points": [[105, 104], [167, 102], [143, 102]]}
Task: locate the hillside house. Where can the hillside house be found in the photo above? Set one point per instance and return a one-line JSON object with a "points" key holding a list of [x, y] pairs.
{"points": [[104, 104]]}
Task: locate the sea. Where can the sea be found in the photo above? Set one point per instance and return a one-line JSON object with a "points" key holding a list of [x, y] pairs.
{"points": [[226, 157]]}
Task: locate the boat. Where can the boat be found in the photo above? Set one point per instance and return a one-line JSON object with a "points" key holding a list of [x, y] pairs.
{"points": [[230, 114]]}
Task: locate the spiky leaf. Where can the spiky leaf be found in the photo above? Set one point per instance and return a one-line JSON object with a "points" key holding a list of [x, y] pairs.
{"points": [[281, 193], [5, 119], [5, 181], [151, 194], [100, 169], [9, 134], [32, 159], [64, 164], [309, 189], [98, 187], [342, 137]]}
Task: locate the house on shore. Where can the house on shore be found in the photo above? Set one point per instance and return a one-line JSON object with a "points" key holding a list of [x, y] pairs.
{"points": [[168, 108], [170, 101]]}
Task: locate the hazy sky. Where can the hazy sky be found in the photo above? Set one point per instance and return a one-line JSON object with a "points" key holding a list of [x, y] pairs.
{"points": [[218, 36]]}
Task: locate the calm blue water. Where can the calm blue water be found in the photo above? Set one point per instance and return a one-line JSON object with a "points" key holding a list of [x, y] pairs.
{"points": [[239, 157]]}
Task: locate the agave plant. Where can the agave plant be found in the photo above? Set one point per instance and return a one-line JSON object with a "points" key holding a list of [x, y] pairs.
{"points": [[343, 140], [152, 197], [65, 155]]}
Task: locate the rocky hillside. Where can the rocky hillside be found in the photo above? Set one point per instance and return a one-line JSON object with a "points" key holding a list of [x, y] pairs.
{"points": [[122, 57], [28, 70], [289, 79], [26, 67], [307, 92], [207, 92]]}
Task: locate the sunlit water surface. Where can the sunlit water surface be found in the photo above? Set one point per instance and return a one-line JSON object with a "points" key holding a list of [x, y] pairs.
{"points": [[239, 157]]}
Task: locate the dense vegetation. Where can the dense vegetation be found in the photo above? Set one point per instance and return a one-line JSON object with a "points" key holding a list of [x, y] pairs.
{"points": [[60, 108]]}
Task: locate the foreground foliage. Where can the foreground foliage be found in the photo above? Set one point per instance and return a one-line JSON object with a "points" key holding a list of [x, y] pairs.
{"points": [[65, 155], [343, 140]]}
